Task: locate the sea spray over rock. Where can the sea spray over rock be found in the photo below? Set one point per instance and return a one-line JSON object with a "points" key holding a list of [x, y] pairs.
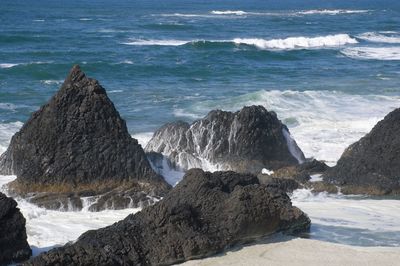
{"points": [[245, 141]]}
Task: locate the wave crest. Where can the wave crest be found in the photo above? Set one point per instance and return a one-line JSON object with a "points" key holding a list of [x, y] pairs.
{"points": [[373, 53], [299, 42]]}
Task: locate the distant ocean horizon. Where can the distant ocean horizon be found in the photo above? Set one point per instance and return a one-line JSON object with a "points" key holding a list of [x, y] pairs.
{"points": [[329, 69]]}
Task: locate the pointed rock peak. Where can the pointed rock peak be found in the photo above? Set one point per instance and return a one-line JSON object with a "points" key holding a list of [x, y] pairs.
{"points": [[77, 79], [76, 74]]}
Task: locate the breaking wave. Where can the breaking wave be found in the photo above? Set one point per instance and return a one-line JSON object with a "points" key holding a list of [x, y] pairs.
{"points": [[373, 53], [272, 44]]}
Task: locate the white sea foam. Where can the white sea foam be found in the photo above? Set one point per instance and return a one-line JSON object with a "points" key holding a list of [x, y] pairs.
{"points": [[47, 228], [6, 132], [229, 12], [323, 123], [52, 82], [143, 138], [289, 43], [373, 53], [299, 42], [6, 65], [157, 42], [331, 12], [380, 37], [352, 212]]}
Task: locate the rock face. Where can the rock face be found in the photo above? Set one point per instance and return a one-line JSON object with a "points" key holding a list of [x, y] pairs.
{"points": [[245, 141], [205, 213], [372, 164], [13, 244], [78, 145], [293, 177]]}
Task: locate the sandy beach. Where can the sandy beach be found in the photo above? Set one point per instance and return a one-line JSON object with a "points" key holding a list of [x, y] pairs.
{"points": [[304, 252]]}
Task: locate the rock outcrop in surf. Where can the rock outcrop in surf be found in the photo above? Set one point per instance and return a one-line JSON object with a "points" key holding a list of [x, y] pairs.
{"points": [[77, 145], [372, 164], [244, 141], [204, 214], [13, 240]]}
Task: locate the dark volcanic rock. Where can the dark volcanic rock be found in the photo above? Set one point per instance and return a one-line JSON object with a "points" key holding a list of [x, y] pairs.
{"points": [[78, 143], [13, 244], [293, 177], [245, 141], [372, 164], [204, 214]]}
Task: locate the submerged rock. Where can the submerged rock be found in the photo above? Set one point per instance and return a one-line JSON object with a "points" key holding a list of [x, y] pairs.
{"points": [[372, 164], [204, 214], [245, 141], [13, 244], [78, 145]]}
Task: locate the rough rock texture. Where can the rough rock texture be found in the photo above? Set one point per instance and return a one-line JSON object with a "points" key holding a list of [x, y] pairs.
{"points": [[204, 214], [13, 244], [78, 144], [372, 164], [293, 177], [245, 141]]}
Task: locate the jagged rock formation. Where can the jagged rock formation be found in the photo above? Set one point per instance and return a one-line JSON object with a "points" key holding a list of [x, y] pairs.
{"points": [[372, 164], [293, 177], [204, 214], [245, 141], [77, 145], [13, 244]]}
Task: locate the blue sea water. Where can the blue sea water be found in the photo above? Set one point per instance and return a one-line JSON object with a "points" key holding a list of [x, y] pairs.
{"points": [[330, 69]]}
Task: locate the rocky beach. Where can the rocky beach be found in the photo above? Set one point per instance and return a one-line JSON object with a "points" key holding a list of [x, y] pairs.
{"points": [[199, 133]]}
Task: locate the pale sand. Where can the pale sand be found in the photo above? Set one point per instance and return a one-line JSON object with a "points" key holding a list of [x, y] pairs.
{"points": [[304, 252]]}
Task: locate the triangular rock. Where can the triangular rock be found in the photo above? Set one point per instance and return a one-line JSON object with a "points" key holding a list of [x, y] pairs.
{"points": [[372, 164], [78, 142]]}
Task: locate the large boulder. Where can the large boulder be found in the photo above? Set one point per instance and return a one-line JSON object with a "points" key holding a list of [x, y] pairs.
{"points": [[244, 141], [13, 244], [372, 164], [204, 214], [77, 145]]}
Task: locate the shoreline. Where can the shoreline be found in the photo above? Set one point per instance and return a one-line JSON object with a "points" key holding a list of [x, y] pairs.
{"points": [[299, 251]]}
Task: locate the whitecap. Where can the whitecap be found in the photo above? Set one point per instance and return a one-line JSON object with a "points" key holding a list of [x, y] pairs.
{"points": [[373, 53], [229, 12], [377, 37], [6, 65], [330, 12], [156, 42], [298, 42]]}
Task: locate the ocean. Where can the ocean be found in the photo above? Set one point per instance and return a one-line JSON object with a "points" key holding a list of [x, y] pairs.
{"points": [[330, 70]]}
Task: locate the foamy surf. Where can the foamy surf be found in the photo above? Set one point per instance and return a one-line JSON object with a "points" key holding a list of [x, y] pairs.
{"points": [[47, 228], [354, 220], [331, 12], [323, 123], [290, 43], [373, 53], [229, 12], [299, 42], [381, 37]]}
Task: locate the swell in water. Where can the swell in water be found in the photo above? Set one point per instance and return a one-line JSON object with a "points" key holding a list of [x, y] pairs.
{"points": [[289, 43], [232, 13]]}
